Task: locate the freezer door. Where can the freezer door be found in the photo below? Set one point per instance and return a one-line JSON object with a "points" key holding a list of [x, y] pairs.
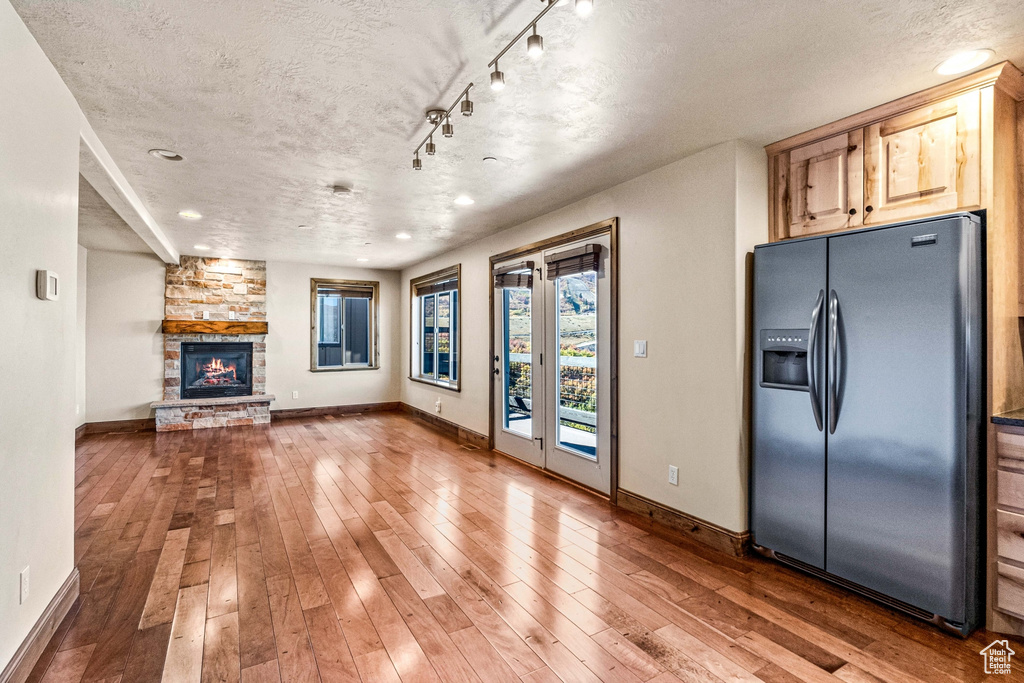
{"points": [[905, 305], [788, 465]]}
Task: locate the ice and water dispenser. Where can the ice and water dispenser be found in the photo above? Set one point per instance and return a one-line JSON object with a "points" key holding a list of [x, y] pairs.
{"points": [[784, 359]]}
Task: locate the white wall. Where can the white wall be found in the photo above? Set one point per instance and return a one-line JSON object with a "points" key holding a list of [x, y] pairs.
{"points": [[39, 139], [80, 337], [288, 341], [685, 231], [124, 345]]}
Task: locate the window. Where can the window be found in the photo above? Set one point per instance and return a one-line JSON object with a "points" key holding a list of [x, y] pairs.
{"points": [[344, 315], [436, 336]]}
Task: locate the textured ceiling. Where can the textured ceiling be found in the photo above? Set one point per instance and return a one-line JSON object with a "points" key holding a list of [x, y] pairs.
{"points": [[273, 102], [99, 226]]}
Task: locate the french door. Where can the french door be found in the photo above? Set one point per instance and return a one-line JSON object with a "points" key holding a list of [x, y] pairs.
{"points": [[552, 362]]}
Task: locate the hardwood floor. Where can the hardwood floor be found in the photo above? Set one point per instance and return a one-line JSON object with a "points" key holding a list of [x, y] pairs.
{"points": [[372, 548]]}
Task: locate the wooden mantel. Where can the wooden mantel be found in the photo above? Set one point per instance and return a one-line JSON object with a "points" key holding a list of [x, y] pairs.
{"points": [[215, 327]]}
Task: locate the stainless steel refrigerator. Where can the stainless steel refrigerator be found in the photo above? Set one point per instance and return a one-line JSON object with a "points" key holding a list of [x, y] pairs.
{"points": [[868, 412]]}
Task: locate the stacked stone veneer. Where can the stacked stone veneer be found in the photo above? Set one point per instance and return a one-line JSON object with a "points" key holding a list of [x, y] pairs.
{"points": [[219, 287]]}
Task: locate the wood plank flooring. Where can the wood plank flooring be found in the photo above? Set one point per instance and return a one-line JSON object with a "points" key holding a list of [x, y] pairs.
{"points": [[372, 548]]}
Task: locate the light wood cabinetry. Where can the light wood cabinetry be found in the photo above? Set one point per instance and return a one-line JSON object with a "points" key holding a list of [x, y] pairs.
{"points": [[924, 162], [1008, 614], [955, 147], [821, 185]]}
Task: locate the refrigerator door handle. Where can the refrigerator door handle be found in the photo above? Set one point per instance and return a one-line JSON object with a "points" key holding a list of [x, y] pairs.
{"points": [[833, 369], [812, 360]]}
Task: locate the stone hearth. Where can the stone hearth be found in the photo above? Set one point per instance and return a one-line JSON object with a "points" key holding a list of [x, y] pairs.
{"points": [[203, 413]]}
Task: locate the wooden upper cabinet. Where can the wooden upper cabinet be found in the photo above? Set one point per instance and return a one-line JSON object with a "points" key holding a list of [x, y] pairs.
{"points": [[820, 186], [924, 162]]}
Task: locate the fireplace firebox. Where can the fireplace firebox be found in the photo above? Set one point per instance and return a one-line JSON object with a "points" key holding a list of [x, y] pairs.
{"points": [[216, 369]]}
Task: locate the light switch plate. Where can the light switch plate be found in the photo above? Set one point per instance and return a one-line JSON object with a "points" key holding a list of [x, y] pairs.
{"points": [[640, 348]]}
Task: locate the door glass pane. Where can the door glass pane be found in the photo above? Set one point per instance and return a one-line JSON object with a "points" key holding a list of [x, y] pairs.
{"points": [[454, 336], [444, 346], [357, 331], [518, 375], [576, 297], [427, 343]]}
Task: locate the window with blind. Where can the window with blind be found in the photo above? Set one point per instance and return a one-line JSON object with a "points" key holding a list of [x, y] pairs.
{"points": [[344, 325], [436, 338]]}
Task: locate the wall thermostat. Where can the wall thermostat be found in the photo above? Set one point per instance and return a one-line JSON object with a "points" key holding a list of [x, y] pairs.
{"points": [[46, 285]]}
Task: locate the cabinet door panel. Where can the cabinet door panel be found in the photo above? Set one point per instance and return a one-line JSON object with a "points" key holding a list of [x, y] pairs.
{"points": [[821, 186], [924, 162]]}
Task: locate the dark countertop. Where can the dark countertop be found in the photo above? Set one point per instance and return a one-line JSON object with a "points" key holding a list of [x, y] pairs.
{"points": [[1014, 418]]}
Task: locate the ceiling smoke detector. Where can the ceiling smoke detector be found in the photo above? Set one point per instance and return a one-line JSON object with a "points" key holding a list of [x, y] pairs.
{"points": [[341, 189]]}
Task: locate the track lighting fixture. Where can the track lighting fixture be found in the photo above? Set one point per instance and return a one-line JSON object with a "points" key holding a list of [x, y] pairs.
{"points": [[535, 44], [534, 47], [441, 118], [497, 79]]}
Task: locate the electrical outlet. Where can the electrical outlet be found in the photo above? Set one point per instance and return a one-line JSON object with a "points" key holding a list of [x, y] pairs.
{"points": [[673, 475], [231, 315], [23, 596], [206, 315], [437, 405], [295, 394]]}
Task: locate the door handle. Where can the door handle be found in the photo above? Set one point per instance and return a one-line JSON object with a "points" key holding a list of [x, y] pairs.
{"points": [[541, 439], [812, 360], [833, 371]]}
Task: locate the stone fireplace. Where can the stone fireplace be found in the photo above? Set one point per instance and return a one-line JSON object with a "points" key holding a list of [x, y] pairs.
{"points": [[215, 325]]}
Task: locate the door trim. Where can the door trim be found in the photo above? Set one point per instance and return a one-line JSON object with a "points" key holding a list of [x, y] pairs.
{"points": [[607, 227]]}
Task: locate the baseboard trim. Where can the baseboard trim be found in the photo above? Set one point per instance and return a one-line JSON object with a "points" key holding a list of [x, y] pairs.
{"points": [[448, 427], [146, 424], [720, 538], [20, 666], [336, 410], [80, 431]]}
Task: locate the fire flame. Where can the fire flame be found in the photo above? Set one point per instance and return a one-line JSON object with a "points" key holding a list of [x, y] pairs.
{"points": [[215, 372]]}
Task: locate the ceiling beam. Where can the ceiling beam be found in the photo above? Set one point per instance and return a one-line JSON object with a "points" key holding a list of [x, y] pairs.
{"points": [[98, 167]]}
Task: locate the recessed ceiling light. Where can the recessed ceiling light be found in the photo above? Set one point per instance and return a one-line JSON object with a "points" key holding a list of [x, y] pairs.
{"points": [[489, 160], [964, 61], [190, 214], [404, 236], [305, 227], [463, 200], [200, 247], [362, 260], [584, 7], [341, 189], [166, 154]]}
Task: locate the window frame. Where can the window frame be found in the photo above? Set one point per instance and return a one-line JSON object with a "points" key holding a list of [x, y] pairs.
{"points": [[315, 284], [416, 327]]}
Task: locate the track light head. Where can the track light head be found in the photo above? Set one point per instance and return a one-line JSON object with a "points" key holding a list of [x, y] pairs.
{"points": [[497, 79], [417, 165], [447, 130], [535, 45], [467, 106], [430, 147], [584, 7]]}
